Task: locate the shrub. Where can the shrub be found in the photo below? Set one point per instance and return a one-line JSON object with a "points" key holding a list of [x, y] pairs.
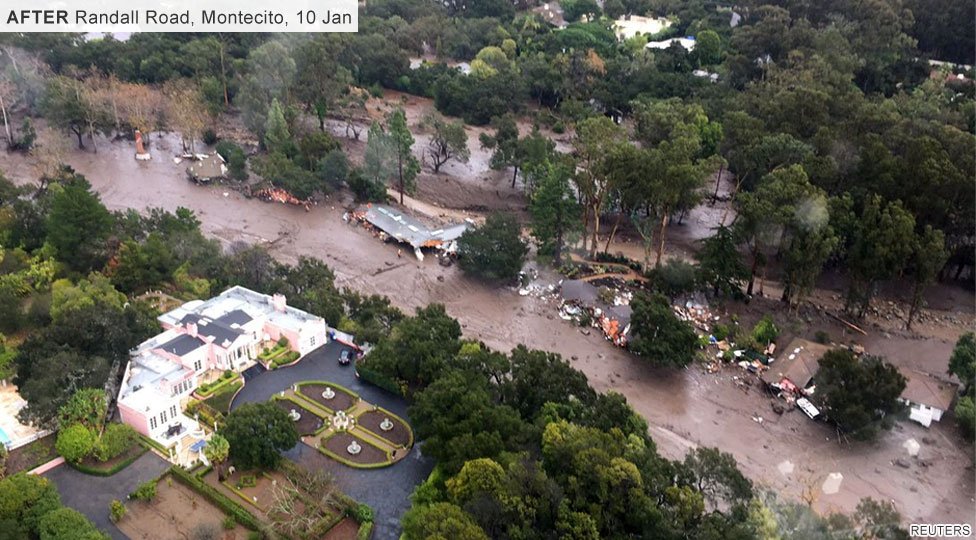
{"points": [[145, 492], [765, 331], [116, 439], [229, 522], [228, 374], [283, 341], [247, 481], [75, 442], [209, 136], [205, 531], [235, 158], [254, 535], [822, 337], [116, 510], [362, 513], [722, 331]]}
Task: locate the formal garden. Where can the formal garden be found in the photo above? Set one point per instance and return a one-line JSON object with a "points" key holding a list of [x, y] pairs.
{"points": [[287, 502], [339, 423], [294, 502], [169, 508]]}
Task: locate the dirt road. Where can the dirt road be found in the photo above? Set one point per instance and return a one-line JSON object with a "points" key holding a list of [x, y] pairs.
{"points": [[684, 408]]}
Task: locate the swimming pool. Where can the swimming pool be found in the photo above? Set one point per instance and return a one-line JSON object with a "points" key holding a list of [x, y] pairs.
{"points": [[4, 438]]}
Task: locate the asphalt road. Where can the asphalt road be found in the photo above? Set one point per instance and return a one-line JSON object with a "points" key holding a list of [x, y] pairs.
{"points": [[386, 490], [91, 495]]}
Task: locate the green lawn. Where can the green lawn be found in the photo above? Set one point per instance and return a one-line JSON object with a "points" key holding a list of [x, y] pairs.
{"points": [[220, 400]]}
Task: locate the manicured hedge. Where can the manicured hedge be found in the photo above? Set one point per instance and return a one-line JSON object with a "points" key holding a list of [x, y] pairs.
{"points": [[97, 471], [154, 444], [223, 502], [378, 379], [207, 389]]}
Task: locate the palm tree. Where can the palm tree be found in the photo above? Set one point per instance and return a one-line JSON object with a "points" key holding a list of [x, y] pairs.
{"points": [[217, 450]]}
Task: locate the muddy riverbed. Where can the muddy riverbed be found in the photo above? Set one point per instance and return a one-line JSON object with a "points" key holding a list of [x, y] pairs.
{"points": [[685, 408]]}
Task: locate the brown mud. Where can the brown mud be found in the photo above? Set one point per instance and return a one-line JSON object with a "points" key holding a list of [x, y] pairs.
{"points": [[684, 408]]}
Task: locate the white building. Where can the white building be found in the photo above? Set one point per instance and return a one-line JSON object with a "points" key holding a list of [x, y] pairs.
{"points": [[688, 42], [634, 25], [927, 397]]}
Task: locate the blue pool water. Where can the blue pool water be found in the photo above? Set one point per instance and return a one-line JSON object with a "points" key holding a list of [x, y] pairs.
{"points": [[4, 439]]}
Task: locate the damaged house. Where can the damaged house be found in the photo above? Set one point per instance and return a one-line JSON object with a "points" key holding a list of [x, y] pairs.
{"points": [[791, 375], [580, 297], [390, 223]]}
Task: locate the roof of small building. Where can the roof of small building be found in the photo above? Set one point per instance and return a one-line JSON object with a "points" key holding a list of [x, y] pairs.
{"points": [[209, 167], [798, 362], [577, 290], [927, 390], [409, 229]]}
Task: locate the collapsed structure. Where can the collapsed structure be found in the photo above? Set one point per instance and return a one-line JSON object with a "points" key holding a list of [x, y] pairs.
{"points": [[389, 223], [206, 168], [612, 316], [201, 340]]}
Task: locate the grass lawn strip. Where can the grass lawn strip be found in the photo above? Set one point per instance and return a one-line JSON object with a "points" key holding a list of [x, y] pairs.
{"points": [[212, 388], [220, 400], [31, 455]]}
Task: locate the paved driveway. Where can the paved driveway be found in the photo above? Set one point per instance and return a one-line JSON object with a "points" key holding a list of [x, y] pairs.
{"points": [[387, 490], [91, 495]]}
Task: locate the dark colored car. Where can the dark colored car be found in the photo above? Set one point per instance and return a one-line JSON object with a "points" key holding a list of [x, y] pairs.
{"points": [[344, 357]]}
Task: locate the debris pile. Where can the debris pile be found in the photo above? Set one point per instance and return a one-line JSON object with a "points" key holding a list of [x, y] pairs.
{"points": [[279, 195], [606, 308]]}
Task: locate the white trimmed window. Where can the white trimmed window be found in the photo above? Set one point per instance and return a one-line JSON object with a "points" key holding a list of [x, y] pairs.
{"points": [[152, 423]]}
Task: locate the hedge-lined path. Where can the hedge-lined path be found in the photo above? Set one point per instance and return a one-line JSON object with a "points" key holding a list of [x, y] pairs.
{"points": [[387, 490]]}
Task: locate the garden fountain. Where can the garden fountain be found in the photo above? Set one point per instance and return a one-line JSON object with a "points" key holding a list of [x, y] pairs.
{"points": [[386, 424], [295, 415], [354, 448], [329, 393], [341, 421]]}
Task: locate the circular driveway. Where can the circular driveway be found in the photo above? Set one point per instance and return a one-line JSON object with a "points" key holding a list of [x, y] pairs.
{"points": [[386, 490]]}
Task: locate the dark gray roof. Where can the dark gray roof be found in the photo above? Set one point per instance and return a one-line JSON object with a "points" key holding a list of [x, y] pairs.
{"points": [[237, 316], [575, 290], [182, 344], [621, 314], [219, 331]]}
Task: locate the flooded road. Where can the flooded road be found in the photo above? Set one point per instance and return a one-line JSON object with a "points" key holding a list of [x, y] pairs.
{"points": [[684, 408]]}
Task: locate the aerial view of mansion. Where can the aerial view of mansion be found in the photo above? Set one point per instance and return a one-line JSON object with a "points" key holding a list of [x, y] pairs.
{"points": [[202, 339]]}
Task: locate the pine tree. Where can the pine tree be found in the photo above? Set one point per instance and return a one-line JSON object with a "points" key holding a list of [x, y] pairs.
{"points": [[276, 135]]}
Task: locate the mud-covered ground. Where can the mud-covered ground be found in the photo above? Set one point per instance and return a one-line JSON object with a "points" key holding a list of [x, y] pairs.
{"points": [[788, 453]]}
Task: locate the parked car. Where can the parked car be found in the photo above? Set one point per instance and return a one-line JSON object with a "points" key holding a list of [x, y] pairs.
{"points": [[344, 357]]}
